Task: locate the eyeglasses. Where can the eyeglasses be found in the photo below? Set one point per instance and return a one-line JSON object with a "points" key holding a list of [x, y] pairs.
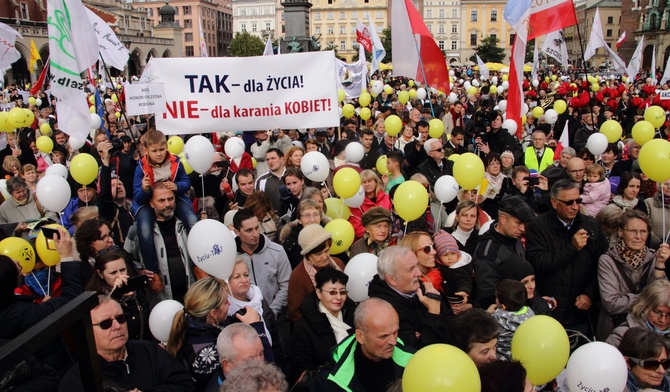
{"points": [[427, 249], [314, 216], [438, 149], [577, 171], [107, 323], [659, 314], [651, 364], [494, 163], [333, 293], [104, 237], [640, 233], [571, 202]]}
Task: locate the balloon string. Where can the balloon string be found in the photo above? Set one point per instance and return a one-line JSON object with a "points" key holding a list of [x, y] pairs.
{"points": [[663, 209], [60, 214], [49, 282], [202, 179], [38, 283], [327, 188]]}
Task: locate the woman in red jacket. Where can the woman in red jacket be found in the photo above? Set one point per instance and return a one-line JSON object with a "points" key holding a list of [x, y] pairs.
{"points": [[374, 197]]}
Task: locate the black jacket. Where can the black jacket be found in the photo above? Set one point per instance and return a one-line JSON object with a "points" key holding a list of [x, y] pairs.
{"points": [[288, 237], [432, 171], [414, 317], [561, 270], [369, 160], [492, 250], [147, 368], [414, 157], [313, 338], [502, 141]]}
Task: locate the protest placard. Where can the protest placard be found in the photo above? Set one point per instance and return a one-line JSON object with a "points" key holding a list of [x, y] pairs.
{"points": [[145, 98]]}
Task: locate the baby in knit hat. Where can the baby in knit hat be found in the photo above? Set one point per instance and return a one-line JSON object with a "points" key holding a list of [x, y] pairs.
{"points": [[455, 266]]}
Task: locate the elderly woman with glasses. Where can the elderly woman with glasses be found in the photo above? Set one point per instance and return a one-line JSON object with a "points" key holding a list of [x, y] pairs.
{"points": [[646, 355], [308, 212], [626, 268], [21, 206]]}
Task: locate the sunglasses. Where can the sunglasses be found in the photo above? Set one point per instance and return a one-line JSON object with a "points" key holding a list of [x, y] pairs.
{"points": [[571, 202], [107, 323], [427, 249], [438, 150], [651, 364], [333, 293]]}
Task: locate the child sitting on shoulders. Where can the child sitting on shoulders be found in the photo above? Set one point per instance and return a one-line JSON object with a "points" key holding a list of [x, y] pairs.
{"points": [[510, 311]]}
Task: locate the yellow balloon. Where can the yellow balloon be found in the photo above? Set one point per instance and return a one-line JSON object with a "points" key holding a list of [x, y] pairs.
{"points": [[654, 159], [410, 83], [553, 77], [468, 170], [346, 182], [117, 114], [91, 99], [30, 117], [341, 95], [493, 89], [175, 145], [182, 158], [254, 162], [84, 168], [403, 97], [453, 157], [546, 79], [365, 113], [91, 109], [45, 129], [436, 128], [612, 129], [505, 77], [348, 110], [364, 99], [591, 79], [523, 119], [336, 209], [560, 106], [32, 100], [4, 122], [538, 111], [655, 115], [643, 131], [393, 125], [381, 165], [410, 200], [342, 235], [115, 98], [542, 346], [423, 374], [472, 90], [388, 89], [18, 249], [595, 87], [44, 144], [17, 118], [412, 93], [48, 256]]}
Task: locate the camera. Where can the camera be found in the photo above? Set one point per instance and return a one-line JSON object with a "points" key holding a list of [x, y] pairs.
{"points": [[532, 181], [482, 134], [117, 145]]}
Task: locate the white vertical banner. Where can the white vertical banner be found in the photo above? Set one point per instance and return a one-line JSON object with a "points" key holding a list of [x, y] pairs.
{"points": [[203, 44]]}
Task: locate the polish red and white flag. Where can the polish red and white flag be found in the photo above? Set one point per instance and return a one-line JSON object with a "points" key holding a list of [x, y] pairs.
{"points": [[621, 40]]}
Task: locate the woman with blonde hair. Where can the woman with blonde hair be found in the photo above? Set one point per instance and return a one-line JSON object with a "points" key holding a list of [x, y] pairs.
{"points": [[196, 327], [374, 197]]}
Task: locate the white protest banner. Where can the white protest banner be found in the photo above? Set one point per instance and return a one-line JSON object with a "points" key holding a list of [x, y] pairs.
{"points": [[214, 94], [5, 107], [145, 98], [665, 94]]}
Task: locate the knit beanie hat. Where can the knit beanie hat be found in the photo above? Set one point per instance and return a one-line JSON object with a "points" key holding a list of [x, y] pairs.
{"points": [[445, 243], [516, 268]]}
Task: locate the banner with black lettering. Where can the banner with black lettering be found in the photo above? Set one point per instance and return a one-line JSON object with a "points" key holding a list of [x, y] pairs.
{"points": [[215, 94]]}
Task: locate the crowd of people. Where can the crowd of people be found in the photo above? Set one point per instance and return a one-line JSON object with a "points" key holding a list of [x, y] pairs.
{"points": [[551, 230]]}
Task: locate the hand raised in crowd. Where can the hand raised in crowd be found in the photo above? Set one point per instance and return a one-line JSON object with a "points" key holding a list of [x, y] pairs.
{"points": [[103, 151], [543, 184], [583, 302], [662, 255], [146, 183], [64, 243], [580, 239], [251, 316]]}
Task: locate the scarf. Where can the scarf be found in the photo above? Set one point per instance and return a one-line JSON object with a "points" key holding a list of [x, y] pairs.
{"points": [[340, 328], [454, 116], [254, 301], [495, 184], [623, 203], [311, 271], [632, 257], [38, 281]]}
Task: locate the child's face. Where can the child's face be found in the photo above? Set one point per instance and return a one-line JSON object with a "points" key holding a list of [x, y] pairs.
{"points": [[450, 258], [593, 177], [157, 152]]}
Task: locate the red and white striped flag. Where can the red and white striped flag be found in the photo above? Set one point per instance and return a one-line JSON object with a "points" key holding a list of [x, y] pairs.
{"points": [[563, 141], [621, 40], [363, 36]]}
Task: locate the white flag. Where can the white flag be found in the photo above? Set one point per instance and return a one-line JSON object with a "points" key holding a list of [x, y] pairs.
{"points": [[652, 73], [113, 51], [203, 44], [268, 48], [483, 69], [618, 64], [378, 51], [71, 52], [596, 39], [554, 46], [635, 61], [352, 77], [666, 74], [536, 62], [8, 52]]}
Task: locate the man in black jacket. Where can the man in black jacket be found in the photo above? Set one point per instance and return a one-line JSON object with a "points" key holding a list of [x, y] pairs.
{"points": [[422, 319], [437, 165], [414, 151], [564, 247]]}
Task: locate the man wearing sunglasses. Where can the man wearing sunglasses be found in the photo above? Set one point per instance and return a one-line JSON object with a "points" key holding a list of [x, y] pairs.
{"points": [[132, 365], [437, 165], [564, 246]]}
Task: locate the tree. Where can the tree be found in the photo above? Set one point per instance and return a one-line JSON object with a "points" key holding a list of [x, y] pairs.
{"points": [[530, 51], [246, 45], [368, 56], [489, 51], [386, 43]]}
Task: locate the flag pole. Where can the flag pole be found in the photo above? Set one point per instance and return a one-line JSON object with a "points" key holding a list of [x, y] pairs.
{"points": [[586, 72], [116, 91]]}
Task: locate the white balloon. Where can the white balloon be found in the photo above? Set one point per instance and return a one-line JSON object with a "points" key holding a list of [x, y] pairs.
{"points": [[502, 105], [356, 200], [511, 126], [234, 147], [3, 189], [505, 84], [460, 81], [160, 319], [496, 107], [96, 121], [551, 116], [75, 143], [451, 72], [53, 192], [360, 270], [57, 169], [475, 83], [199, 153], [467, 85], [421, 93], [210, 246], [354, 152], [38, 102], [298, 143], [524, 108], [314, 165], [597, 143], [494, 80], [597, 366], [453, 97], [377, 87], [535, 83], [446, 188], [485, 227]]}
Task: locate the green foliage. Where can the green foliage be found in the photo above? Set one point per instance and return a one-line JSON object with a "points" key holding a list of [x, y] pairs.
{"points": [[246, 45], [489, 51], [386, 43]]}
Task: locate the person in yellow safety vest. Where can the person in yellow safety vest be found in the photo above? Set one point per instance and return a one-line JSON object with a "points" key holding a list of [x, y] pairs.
{"points": [[538, 156]]}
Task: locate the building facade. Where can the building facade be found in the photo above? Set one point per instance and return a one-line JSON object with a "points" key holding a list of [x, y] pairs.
{"points": [[651, 19], [610, 20], [481, 19], [257, 17], [443, 19]]}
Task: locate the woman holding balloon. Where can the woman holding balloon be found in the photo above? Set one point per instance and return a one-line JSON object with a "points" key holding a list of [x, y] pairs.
{"points": [[374, 197]]}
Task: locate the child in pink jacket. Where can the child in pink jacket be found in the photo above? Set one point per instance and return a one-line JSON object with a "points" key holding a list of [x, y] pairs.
{"points": [[596, 190]]}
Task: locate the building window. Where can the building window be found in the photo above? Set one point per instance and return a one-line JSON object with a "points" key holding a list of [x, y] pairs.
{"points": [[317, 30], [610, 19], [244, 27], [511, 39], [189, 51], [342, 15], [379, 15], [282, 16], [330, 16], [473, 16], [343, 45], [441, 13], [331, 30], [494, 36], [353, 29], [380, 29], [317, 16], [454, 28], [283, 28], [429, 14], [24, 11], [454, 13], [354, 14], [366, 15], [187, 10], [188, 37], [188, 23], [150, 12], [441, 45], [473, 39], [430, 28], [454, 45], [609, 33], [440, 29], [343, 29], [494, 15], [254, 27], [176, 10]]}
